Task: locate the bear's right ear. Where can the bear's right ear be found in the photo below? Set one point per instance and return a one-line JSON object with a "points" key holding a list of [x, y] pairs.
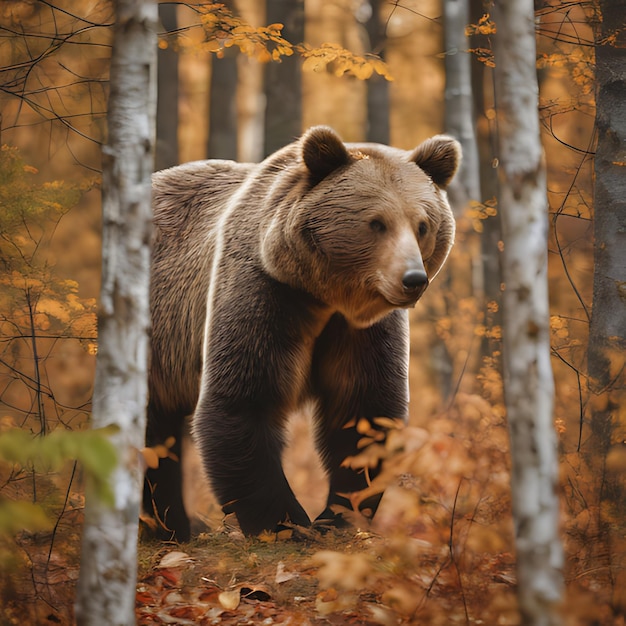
{"points": [[439, 157], [323, 152]]}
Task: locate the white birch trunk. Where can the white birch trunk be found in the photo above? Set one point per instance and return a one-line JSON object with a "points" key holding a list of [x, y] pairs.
{"points": [[459, 114], [528, 383], [107, 583]]}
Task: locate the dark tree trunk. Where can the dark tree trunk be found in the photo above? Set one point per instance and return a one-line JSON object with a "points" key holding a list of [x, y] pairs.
{"points": [[482, 95], [222, 143], [167, 95], [377, 86], [607, 337], [283, 81]]}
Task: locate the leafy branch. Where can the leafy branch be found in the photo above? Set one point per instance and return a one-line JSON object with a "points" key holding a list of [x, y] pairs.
{"points": [[91, 448], [222, 30]]}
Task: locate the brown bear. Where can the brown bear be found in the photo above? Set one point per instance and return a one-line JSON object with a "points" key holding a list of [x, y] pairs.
{"points": [[283, 282]]}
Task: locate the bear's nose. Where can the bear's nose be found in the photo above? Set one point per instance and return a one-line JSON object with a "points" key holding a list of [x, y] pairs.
{"points": [[413, 279]]}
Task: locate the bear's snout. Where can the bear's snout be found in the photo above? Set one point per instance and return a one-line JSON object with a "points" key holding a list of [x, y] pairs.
{"points": [[414, 279]]}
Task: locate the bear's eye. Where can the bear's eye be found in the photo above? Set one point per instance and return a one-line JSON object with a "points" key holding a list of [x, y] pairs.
{"points": [[378, 226], [422, 229]]}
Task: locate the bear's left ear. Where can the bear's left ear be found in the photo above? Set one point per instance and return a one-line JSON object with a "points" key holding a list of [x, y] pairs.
{"points": [[323, 152], [439, 157]]}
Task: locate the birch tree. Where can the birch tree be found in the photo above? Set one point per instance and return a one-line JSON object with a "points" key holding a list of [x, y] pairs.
{"points": [[528, 384], [106, 587], [459, 112]]}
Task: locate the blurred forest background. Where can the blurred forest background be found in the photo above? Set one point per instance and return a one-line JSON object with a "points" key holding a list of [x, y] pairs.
{"points": [[451, 503]]}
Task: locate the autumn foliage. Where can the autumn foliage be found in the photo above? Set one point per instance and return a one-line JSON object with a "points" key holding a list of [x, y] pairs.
{"points": [[440, 550], [222, 30]]}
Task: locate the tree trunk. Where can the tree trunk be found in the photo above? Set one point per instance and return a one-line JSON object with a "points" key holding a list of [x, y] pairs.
{"points": [[222, 142], [528, 384], [459, 121], [377, 86], [607, 336], [482, 96], [459, 113], [283, 81], [167, 98], [107, 583]]}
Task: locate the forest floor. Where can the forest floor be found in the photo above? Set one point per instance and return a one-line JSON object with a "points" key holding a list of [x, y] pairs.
{"points": [[341, 577], [439, 551]]}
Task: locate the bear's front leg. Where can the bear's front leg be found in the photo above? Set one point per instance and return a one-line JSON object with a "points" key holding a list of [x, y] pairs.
{"points": [[358, 374], [254, 373], [242, 456]]}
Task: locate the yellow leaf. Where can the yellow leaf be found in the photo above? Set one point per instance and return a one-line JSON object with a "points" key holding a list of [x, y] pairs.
{"points": [[150, 457], [272, 537], [313, 64], [363, 72], [213, 45], [263, 56], [388, 422], [363, 426], [229, 599]]}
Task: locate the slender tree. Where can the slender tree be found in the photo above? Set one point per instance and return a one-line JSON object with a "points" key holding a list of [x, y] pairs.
{"points": [[167, 95], [222, 143], [528, 384], [482, 97], [607, 336], [283, 81], [106, 588], [459, 113], [377, 86]]}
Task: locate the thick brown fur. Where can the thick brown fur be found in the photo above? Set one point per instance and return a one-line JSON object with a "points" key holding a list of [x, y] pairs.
{"points": [[278, 283]]}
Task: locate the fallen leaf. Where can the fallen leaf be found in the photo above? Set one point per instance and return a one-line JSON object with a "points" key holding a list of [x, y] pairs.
{"points": [[143, 597], [175, 559], [272, 537], [173, 597], [229, 599], [166, 618], [163, 578], [282, 576]]}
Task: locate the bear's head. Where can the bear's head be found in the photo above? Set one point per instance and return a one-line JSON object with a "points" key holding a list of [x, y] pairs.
{"points": [[364, 228]]}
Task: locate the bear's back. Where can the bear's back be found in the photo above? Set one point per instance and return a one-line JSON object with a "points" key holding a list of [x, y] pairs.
{"points": [[188, 201], [193, 193]]}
